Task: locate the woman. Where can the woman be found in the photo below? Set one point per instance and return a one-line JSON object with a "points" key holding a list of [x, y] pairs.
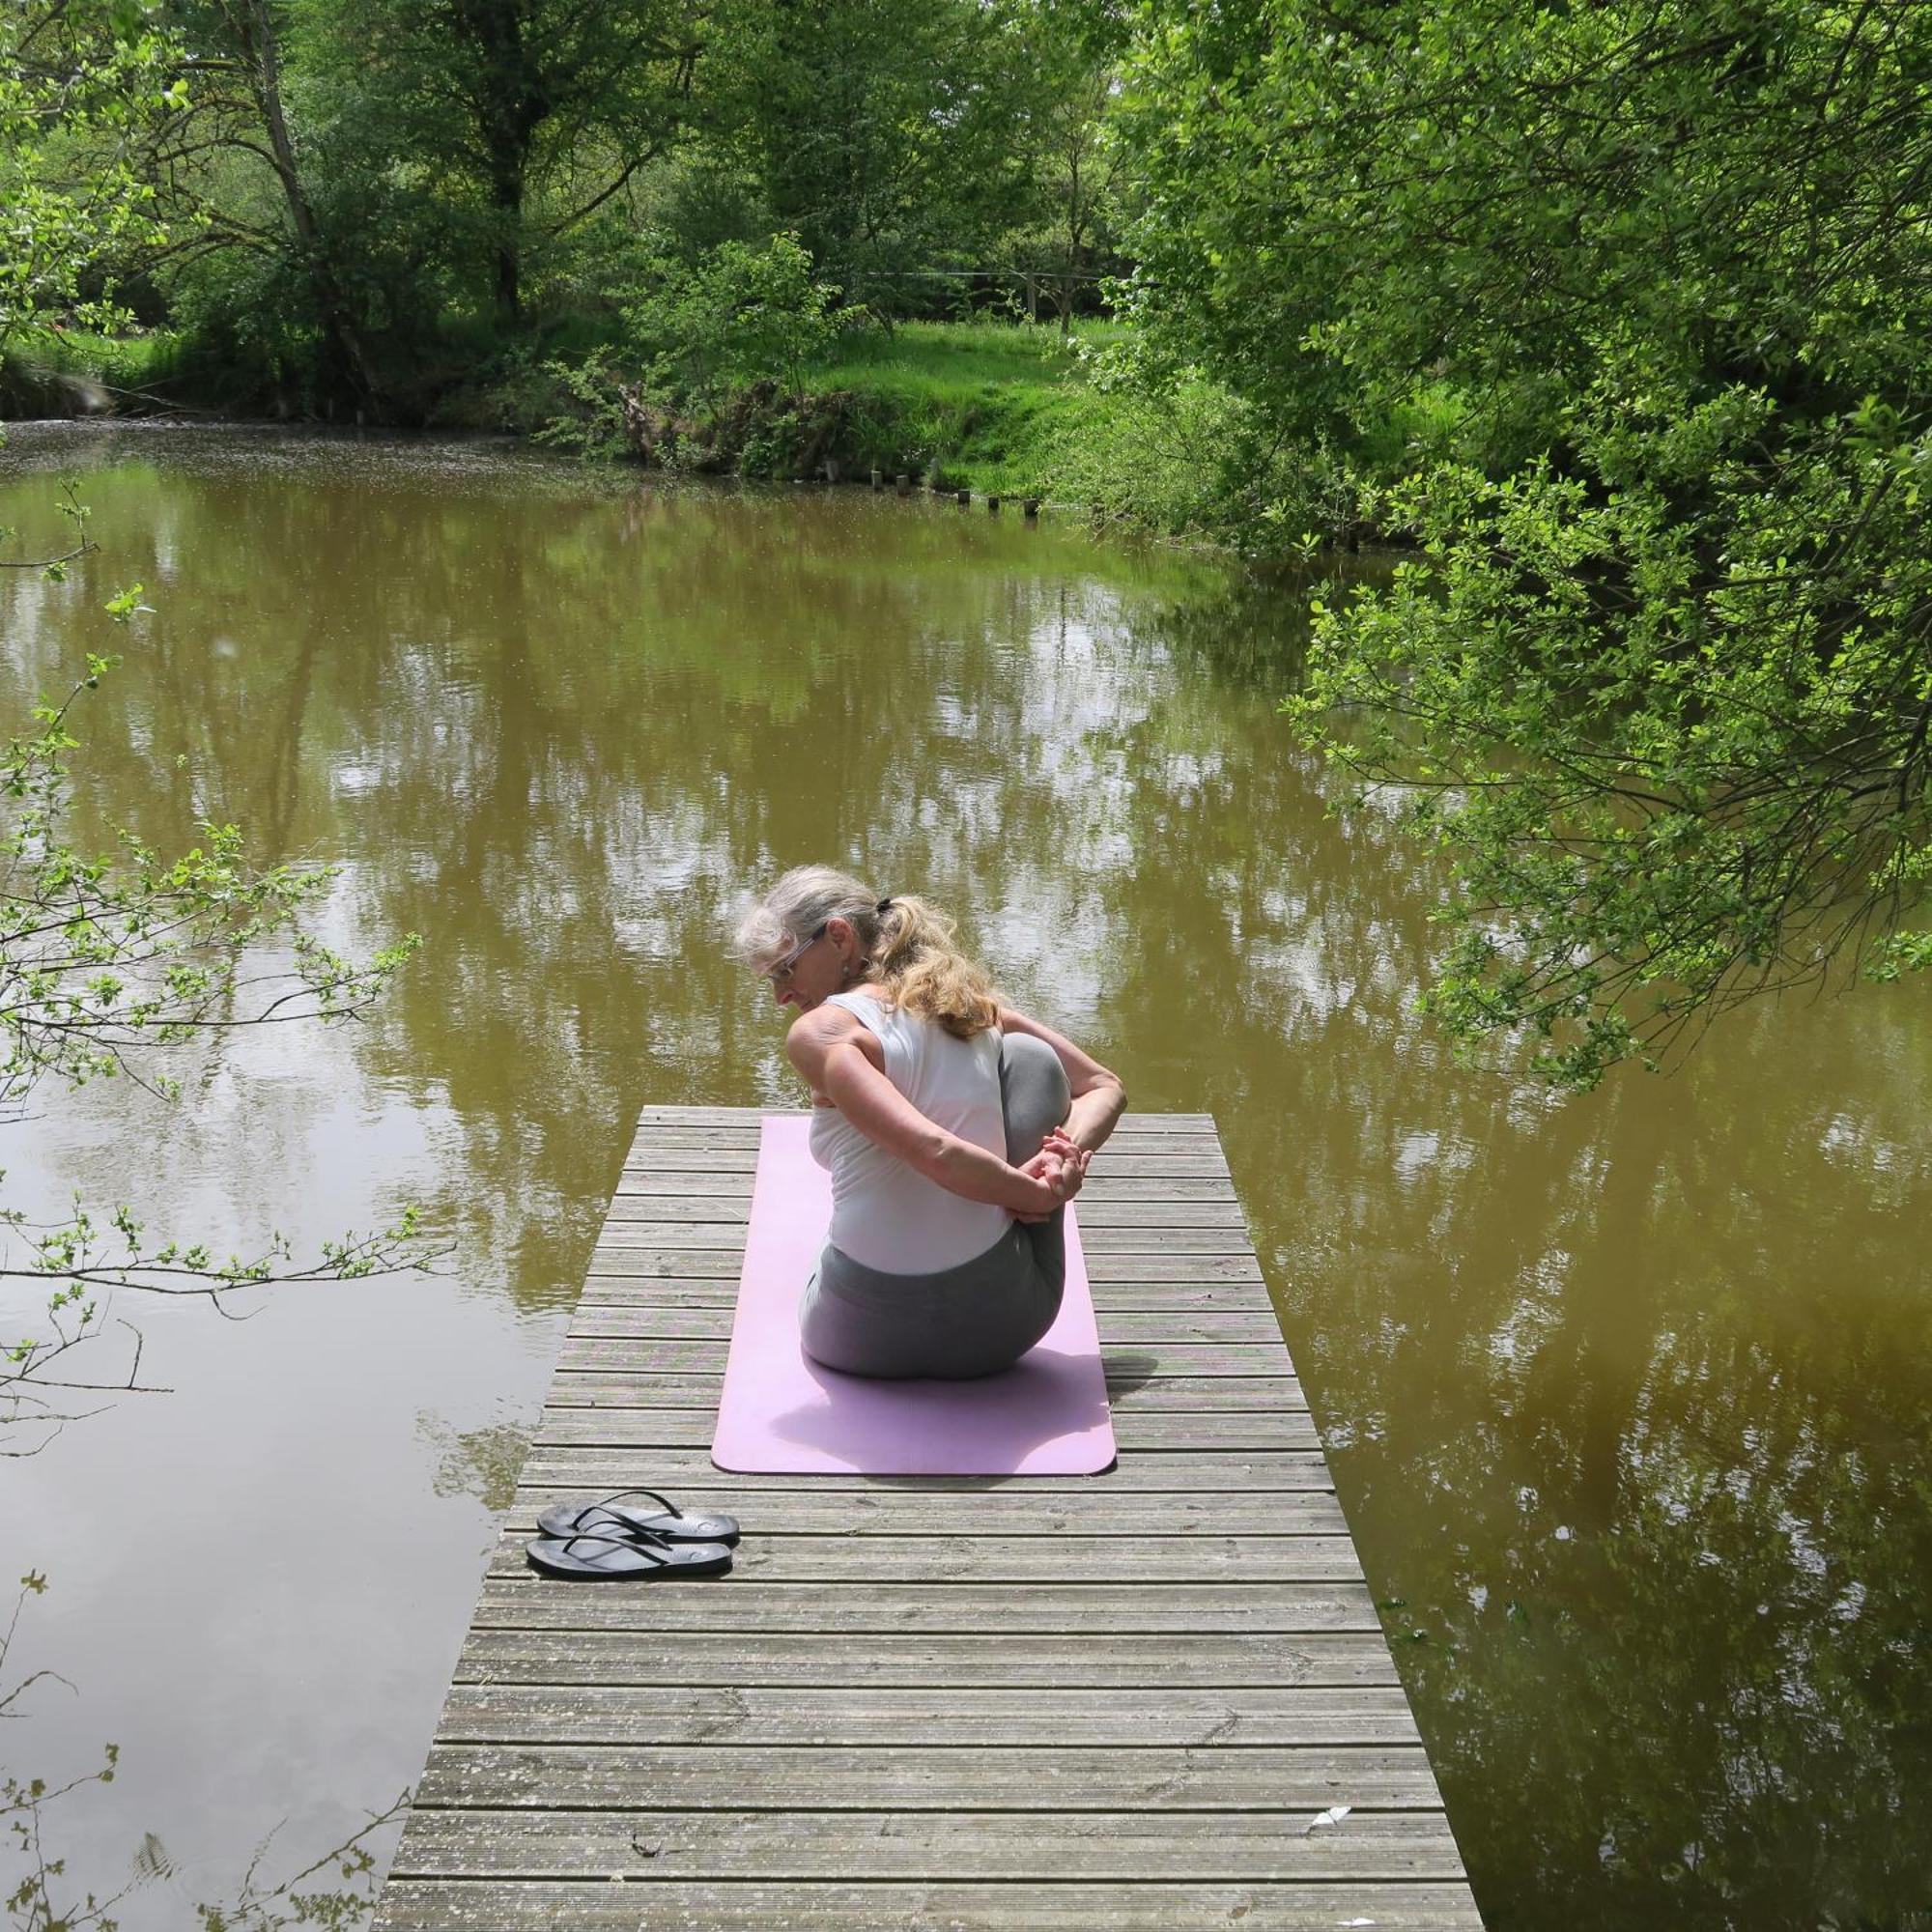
{"points": [[955, 1130]]}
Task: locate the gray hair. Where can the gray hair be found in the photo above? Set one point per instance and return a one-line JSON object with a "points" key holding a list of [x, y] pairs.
{"points": [[798, 906]]}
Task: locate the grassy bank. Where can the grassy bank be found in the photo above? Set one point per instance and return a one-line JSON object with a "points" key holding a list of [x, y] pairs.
{"points": [[1020, 410], [70, 373], [990, 406], [1004, 408]]}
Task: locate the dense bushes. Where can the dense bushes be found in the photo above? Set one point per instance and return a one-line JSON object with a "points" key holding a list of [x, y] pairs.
{"points": [[1638, 288]]}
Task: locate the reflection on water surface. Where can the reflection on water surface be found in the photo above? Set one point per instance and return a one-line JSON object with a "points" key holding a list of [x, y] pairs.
{"points": [[1627, 1397]]}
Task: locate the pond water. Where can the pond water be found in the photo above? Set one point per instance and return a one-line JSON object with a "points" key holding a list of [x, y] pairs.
{"points": [[1627, 1398]]}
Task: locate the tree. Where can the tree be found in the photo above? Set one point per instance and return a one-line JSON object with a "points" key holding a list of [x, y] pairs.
{"points": [[522, 98], [886, 133], [233, 89], [85, 92], [694, 334], [1620, 316], [104, 958], [1073, 168]]}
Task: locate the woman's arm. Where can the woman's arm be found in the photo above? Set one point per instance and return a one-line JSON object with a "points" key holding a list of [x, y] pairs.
{"points": [[828, 1045], [1099, 1097]]}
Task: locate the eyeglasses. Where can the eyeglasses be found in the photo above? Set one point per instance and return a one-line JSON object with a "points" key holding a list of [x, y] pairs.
{"points": [[779, 972]]}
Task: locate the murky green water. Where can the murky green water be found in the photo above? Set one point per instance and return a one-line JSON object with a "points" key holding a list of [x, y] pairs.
{"points": [[1630, 1399]]}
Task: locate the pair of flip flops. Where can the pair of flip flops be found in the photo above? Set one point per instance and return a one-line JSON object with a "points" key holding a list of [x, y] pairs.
{"points": [[612, 1539]]}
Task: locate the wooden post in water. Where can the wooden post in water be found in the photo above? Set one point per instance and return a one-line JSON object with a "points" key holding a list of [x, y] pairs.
{"points": [[965, 497], [1031, 509], [993, 505], [878, 480], [905, 485]]}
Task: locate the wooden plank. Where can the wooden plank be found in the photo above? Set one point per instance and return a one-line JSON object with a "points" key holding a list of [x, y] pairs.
{"points": [[526, 1601], [610, 1715], [577, 1416], [724, 1264], [1130, 1393], [690, 1472], [595, 1905], [744, 1127], [712, 1323], [1010, 1559], [1045, 1847], [827, 1659], [605, 1380], [1129, 1208], [1110, 1298], [1144, 1144], [927, 1778], [1230, 1239], [1120, 1163], [606, 1355], [911, 1513], [1102, 1188], [680, 1116]]}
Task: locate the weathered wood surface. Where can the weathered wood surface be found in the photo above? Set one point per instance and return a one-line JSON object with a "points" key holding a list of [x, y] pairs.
{"points": [[1136, 1700]]}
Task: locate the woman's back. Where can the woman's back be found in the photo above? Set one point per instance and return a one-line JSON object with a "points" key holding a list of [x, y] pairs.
{"points": [[884, 1215]]}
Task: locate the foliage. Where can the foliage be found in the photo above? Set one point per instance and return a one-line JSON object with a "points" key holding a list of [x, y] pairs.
{"points": [[886, 133], [126, 365], [364, 204], [1660, 668], [506, 103], [1174, 451], [693, 334], [1066, 236], [40, 1901], [739, 314], [104, 959], [85, 91]]}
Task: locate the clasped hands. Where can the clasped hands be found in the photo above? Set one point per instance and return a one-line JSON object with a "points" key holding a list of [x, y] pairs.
{"points": [[1061, 1164]]}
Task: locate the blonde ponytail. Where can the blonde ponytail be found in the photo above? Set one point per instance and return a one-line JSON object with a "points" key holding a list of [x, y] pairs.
{"points": [[919, 969]]}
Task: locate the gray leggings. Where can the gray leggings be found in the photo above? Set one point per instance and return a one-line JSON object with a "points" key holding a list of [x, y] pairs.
{"points": [[973, 1320]]}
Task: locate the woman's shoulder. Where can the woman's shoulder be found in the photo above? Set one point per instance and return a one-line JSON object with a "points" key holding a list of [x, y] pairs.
{"points": [[811, 1033], [833, 1023]]}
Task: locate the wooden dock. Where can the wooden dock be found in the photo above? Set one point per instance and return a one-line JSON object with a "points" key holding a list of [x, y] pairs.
{"points": [[1138, 1699]]}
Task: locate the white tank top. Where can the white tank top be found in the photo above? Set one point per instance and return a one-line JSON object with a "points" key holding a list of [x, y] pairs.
{"points": [[885, 1215]]}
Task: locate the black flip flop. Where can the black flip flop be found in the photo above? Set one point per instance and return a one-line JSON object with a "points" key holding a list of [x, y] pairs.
{"points": [[611, 1518], [612, 1559]]}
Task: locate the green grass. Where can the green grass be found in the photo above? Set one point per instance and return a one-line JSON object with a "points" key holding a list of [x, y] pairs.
{"points": [[990, 406], [132, 363], [960, 360]]}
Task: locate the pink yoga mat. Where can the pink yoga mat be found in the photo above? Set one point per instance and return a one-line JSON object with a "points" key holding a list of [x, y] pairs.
{"points": [[781, 1412]]}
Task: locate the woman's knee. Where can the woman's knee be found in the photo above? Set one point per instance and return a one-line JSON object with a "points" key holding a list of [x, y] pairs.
{"points": [[1034, 1092]]}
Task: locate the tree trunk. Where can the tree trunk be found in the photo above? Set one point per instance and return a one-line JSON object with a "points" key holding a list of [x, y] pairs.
{"points": [[1076, 222], [509, 108], [507, 195], [344, 362]]}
